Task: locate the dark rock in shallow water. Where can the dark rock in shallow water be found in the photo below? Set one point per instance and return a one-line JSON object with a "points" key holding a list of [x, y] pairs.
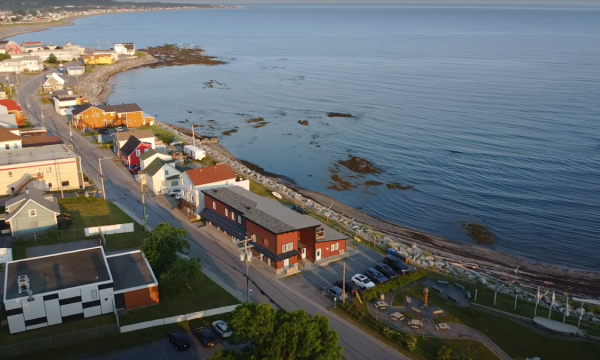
{"points": [[393, 186], [342, 115], [303, 122]]}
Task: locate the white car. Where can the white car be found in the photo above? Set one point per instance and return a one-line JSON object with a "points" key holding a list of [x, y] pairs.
{"points": [[362, 281], [222, 329], [119, 129], [174, 192]]}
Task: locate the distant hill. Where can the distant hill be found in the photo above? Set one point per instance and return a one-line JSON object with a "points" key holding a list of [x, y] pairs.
{"points": [[50, 4]]}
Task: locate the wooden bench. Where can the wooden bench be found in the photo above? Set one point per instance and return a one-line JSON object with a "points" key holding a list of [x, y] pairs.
{"points": [[442, 282], [438, 312], [408, 300], [453, 298], [443, 326], [416, 310], [396, 316], [468, 294], [459, 286], [437, 289]]}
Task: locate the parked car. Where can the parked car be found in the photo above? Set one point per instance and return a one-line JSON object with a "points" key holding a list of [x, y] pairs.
{"points": [[178, 196], [375, 276], [176, 142], [134, 170], [179, 339], [351, 288], [362, 281], [336, 293], [119, 129], [385, 270], [397, 264], [299, 209], [103, 131], [222, 329], [206, 337], [174, 192]]}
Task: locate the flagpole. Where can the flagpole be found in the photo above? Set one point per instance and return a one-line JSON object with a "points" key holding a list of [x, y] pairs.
{"points": [[566, 310], [580, 315], [551, 305], [537, 302]]}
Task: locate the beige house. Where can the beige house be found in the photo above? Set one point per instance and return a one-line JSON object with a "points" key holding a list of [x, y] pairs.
{"points": [[55, 167], [53, 82]]}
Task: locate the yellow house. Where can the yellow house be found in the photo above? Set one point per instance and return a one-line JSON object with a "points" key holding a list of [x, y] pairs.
{"points": [[99, 59]]}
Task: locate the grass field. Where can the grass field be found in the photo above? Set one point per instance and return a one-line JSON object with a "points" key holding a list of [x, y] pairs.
{"points": [[161, 133], [206, 295]]}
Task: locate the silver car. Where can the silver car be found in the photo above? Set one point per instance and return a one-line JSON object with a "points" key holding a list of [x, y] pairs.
{"points": [[222, 329]]}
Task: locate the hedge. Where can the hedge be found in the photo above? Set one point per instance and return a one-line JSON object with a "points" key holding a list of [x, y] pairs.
{"points": [[392, 285]]}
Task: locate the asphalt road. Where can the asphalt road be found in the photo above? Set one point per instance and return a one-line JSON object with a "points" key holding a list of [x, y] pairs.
{"points": [[210, 247]]}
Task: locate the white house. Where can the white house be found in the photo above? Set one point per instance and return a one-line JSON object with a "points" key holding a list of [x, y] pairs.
{"points": [[21, 64], [161, 175], [75, 70], [61, 54], [125, 48], [10, 140], [63, 102], [192, 182], [149, 156], [7, 121], [55, 289]]}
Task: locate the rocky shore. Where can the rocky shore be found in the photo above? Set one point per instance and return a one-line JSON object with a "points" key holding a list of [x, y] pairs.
{"points": [[94, 86]]}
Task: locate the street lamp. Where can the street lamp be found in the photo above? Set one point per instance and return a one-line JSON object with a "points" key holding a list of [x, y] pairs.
{"points": [[246, 255]]}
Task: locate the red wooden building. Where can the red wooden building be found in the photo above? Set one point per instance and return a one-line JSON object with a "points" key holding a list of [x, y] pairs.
{"points": [[132, 150], [280, 236]]}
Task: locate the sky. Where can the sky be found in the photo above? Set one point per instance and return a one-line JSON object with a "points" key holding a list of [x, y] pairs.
{"points": [[394, 2]]}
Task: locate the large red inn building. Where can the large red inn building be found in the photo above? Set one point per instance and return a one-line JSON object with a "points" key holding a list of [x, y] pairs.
{"points": [[280, 236]]}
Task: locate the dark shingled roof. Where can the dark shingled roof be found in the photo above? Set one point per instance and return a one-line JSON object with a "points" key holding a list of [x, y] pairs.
{"points": [[129, 271], [267, 213], [57, 272], [124, 108], [140, 134], [18, 202], [129, 147], [156, 165]]}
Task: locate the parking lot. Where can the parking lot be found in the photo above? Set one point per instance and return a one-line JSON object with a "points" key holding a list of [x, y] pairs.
{"points": [[316, 278]]}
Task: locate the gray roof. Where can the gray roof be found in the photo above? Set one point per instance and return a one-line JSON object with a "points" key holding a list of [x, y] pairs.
{"points": [[130, 270], [33, 154], [147, 154], [8, 121], [15, 204], [332, 235], [267, 213], [154, 166], [140, 134], [57, 272]]}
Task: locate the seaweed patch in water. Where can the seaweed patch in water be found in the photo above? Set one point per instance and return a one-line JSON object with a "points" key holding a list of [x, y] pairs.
{"points": [[393, 186], [229, 132], [373, 183], [342, 115], [254, 120], [480, 234], [303, 122], [340, 184], [261, 124], [360, 165]]}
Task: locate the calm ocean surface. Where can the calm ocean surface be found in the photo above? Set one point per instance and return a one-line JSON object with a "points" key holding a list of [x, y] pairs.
{"points": [[491, 114]]}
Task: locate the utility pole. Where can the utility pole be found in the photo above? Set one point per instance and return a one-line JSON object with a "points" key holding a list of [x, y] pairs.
{"points": [[247, 257], [62, 195], [142, 178], [102, 179], [193, 137], [344, 285], [42, 112]]}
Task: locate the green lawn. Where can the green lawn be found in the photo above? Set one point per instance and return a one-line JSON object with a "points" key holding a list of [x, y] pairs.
{"points": [[89, 212], [161, 133], [206, 295], [7, 339], [515, 339], [126, 241]]}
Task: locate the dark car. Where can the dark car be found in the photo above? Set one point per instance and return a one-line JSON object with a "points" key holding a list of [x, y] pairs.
{"points": [[336, 293], [299, 209], [351, 288], [206, 336], [387, 271], [396, 264], [103, 131], [179, 339], [375, 276]]}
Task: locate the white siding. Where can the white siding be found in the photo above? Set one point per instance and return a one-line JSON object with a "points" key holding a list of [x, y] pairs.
{"points": [[53, 312], [34, 309], [106, 300], [92, 311], [86, 293], [37, 326], [66, 294], [71, 309], [5, 255], [16, 323]]}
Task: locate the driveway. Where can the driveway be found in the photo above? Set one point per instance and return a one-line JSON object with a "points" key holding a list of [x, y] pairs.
{"points": [[163, 349]]}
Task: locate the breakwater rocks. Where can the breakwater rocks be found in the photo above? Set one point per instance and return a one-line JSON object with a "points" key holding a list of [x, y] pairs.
{"points": [[94, 87]]}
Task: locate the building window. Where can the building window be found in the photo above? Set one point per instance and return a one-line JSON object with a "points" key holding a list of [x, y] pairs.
{"points": [[239, 219], [174, 183], [15, 146], [10, 174], [226, 212], [65, 183], [266, 242], [86, 116], [97, 115], [130, 121], [48, 169], [253, 237], [287, 247], [7, 147], [32, 213], [335, 247], [192, 199], [166, 172], [137, 153], [232, 216], [214, 205], [94, 294]]}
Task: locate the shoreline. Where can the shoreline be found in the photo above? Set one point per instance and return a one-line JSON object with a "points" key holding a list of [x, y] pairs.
{"points": [[497, 264]]}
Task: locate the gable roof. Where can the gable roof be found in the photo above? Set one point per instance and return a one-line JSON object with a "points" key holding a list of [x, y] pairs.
{"points": [[154, 166], [35, 196], [78, 110], [129, 147], [10, 105], [147, 154], [6, 135], [56, 78], [269, 214], [124, 108], [208, 175], [140, 134]]}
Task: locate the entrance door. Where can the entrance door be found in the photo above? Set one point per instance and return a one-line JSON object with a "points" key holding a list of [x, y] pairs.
{"points": [[303, 253], [286, 264], [318, 254]]}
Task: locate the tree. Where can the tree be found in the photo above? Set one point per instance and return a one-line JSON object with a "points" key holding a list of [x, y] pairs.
{"points": [[162, 246], [4, 56], [52, 59], [444, 353], [224, 355], [183, 272], [285, 335]]}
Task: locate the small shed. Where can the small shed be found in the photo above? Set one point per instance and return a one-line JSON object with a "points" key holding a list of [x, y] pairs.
{"points": [[193, 152]]}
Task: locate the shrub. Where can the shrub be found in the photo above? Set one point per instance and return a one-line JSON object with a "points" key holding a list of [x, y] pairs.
{"points": [[79, 200], [392, 285], [353, 309]]}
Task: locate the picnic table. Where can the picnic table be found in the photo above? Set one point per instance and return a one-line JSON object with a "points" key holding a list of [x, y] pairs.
{"points": [[381, 305], [415, 324], [443, 326], [396, 316]]}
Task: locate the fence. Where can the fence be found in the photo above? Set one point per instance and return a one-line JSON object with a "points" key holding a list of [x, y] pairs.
{"points": [[109, 229], [53, 235], [178, 318], [67, 339]]}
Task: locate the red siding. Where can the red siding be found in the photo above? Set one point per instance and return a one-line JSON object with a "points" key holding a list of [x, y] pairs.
{"points": [[307, 238], [140, 298], [133, 159], [326, 248]]}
